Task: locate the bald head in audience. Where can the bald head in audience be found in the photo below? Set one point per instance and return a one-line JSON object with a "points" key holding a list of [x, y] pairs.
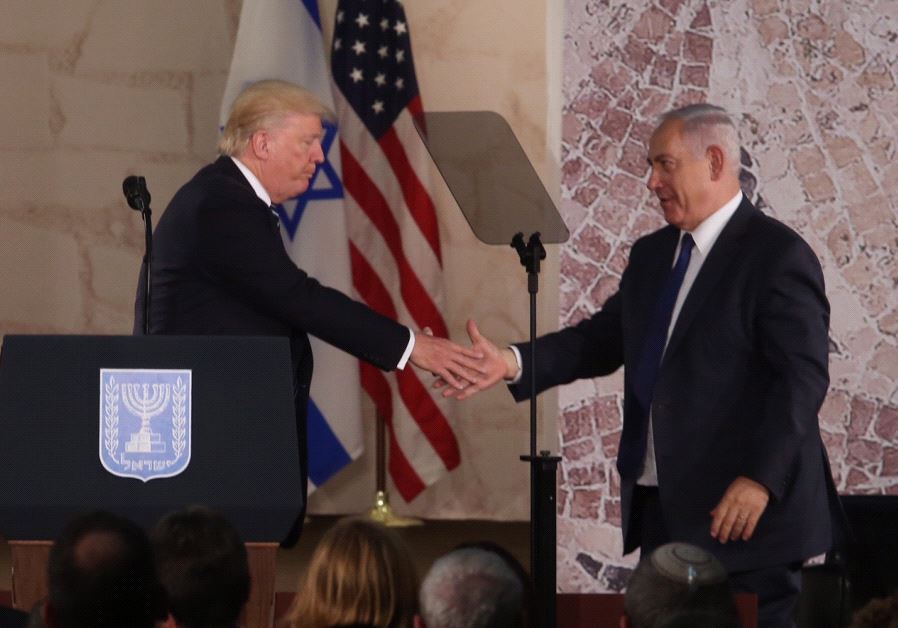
{"points": [[101, 575]]}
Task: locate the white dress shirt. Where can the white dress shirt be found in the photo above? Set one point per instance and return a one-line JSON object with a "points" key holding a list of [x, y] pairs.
{"points": [[705, 235]]}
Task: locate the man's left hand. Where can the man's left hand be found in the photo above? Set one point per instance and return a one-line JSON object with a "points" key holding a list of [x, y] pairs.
{"points": [[739, 510]]}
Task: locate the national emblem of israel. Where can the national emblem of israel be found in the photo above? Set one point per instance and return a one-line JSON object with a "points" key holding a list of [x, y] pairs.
{"points": [[145, 422]]}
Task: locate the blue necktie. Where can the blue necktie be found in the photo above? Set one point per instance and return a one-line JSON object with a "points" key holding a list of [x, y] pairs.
{"points": [[645, 373]]}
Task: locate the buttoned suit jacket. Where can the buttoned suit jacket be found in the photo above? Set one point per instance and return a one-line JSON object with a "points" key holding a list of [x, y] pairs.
{"points": [[220, 267], [741, 382]]}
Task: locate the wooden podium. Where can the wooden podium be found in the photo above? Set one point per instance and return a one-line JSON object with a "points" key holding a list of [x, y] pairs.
{"points": [[242, 452]]}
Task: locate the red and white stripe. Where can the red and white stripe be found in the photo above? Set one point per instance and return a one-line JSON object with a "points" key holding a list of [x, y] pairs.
{"points": [[397, 270]]}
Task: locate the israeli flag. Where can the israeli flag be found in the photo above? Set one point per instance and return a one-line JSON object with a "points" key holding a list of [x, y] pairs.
{"points": [[282, 39]]}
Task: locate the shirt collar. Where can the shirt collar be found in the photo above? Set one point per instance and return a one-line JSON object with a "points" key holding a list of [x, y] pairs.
{"points": [[257, 186], [706, 234]]}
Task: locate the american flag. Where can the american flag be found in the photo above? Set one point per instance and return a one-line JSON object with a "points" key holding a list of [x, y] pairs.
{"points": [[394, 237]]}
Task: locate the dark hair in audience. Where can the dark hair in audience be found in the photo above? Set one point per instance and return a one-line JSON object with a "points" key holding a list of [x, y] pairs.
{"points": [[679, 578], [101, 575], [203, 567], [360, 574], [472, 588], [880, 612]]}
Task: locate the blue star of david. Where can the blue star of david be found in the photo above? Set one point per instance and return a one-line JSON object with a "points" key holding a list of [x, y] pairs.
{"points": [[334, 190]]}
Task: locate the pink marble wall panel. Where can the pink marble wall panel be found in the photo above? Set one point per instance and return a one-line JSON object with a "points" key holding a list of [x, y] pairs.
{"points": [[812, 85]]}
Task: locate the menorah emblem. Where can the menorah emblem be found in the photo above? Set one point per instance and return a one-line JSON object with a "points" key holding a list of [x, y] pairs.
{"points": [[145, 401]]}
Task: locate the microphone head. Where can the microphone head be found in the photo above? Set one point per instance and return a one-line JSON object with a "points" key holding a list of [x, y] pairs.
{"points": [[136, 193]]}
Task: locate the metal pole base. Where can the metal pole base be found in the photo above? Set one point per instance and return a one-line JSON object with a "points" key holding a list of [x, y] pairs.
{"points": [[383, 513], [543, 471]]}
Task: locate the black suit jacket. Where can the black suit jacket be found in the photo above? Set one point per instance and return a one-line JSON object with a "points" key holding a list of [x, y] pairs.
{"points": [[220, 267], [742, 379]]}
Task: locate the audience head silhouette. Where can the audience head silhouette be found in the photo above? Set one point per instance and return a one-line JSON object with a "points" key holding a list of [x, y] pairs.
{"points": [[679, 583], [472, 588], [203, 568], [101, 575], [360, 574]]}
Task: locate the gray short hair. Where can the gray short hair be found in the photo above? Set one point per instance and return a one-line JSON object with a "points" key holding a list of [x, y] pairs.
{"points": [[706, 125], [263, 105], [471, 588]]}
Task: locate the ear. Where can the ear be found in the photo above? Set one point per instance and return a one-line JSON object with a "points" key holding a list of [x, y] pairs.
{"points": [[715, 162], [259, 144]]}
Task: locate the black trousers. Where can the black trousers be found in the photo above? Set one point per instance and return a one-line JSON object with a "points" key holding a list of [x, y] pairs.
{"points": [[777, 587]]}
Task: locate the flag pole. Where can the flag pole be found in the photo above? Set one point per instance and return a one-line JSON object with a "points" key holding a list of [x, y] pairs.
{"points": [[382, 512]]}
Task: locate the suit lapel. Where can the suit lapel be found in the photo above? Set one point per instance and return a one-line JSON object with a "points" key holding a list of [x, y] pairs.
{"points": [[724, 253]]}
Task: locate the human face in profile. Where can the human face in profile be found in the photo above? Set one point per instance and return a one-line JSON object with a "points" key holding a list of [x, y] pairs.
{"points": [[293, 151], [684, 182]]}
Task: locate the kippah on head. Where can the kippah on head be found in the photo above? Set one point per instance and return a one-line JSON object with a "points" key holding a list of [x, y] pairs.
{"points": [[688, 564]]}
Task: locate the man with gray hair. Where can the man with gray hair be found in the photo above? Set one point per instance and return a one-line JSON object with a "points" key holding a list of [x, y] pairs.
{"points": [[721, 324], [471, 588]]}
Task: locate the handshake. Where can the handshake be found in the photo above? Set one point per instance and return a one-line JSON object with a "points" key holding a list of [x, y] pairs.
{"points": [[463, 371]]}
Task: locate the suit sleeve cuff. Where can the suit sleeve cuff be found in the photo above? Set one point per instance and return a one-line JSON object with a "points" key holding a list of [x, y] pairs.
{"points": [[517, 358], [408, 351]]}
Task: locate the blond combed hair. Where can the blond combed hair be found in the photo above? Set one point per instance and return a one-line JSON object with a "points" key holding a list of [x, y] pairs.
{"points": [[360, 573], [263, 105]]}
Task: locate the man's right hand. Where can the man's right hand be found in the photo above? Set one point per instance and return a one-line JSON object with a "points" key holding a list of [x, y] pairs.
{"points": [[459, 367], [495, 365]]}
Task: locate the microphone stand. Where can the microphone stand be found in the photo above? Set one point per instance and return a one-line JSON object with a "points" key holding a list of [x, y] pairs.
{"points": [[138, 197], [543, 467], [501, 197]]}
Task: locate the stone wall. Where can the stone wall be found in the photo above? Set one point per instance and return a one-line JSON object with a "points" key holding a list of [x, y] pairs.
{"points": [[812, 84]]}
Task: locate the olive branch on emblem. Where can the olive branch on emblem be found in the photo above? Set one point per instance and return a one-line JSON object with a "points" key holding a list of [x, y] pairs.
{"points": [[110, 419], [179, 419]]}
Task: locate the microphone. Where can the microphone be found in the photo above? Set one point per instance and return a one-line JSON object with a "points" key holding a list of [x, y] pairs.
{"points": [[136, 193]]}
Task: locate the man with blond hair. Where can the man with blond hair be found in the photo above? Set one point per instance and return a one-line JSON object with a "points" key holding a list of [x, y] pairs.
{"points": [[220, 266]]}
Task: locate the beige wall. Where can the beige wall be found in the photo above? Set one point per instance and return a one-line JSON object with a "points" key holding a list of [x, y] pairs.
{"points": [[97, 90]]}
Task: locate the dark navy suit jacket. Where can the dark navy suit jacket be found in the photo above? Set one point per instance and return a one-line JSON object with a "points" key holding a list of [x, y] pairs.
{"points": [[740, 385], [220, 267]]}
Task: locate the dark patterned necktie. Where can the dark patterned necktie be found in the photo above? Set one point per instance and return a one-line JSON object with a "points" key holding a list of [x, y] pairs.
{"points": [[645, 374]]}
